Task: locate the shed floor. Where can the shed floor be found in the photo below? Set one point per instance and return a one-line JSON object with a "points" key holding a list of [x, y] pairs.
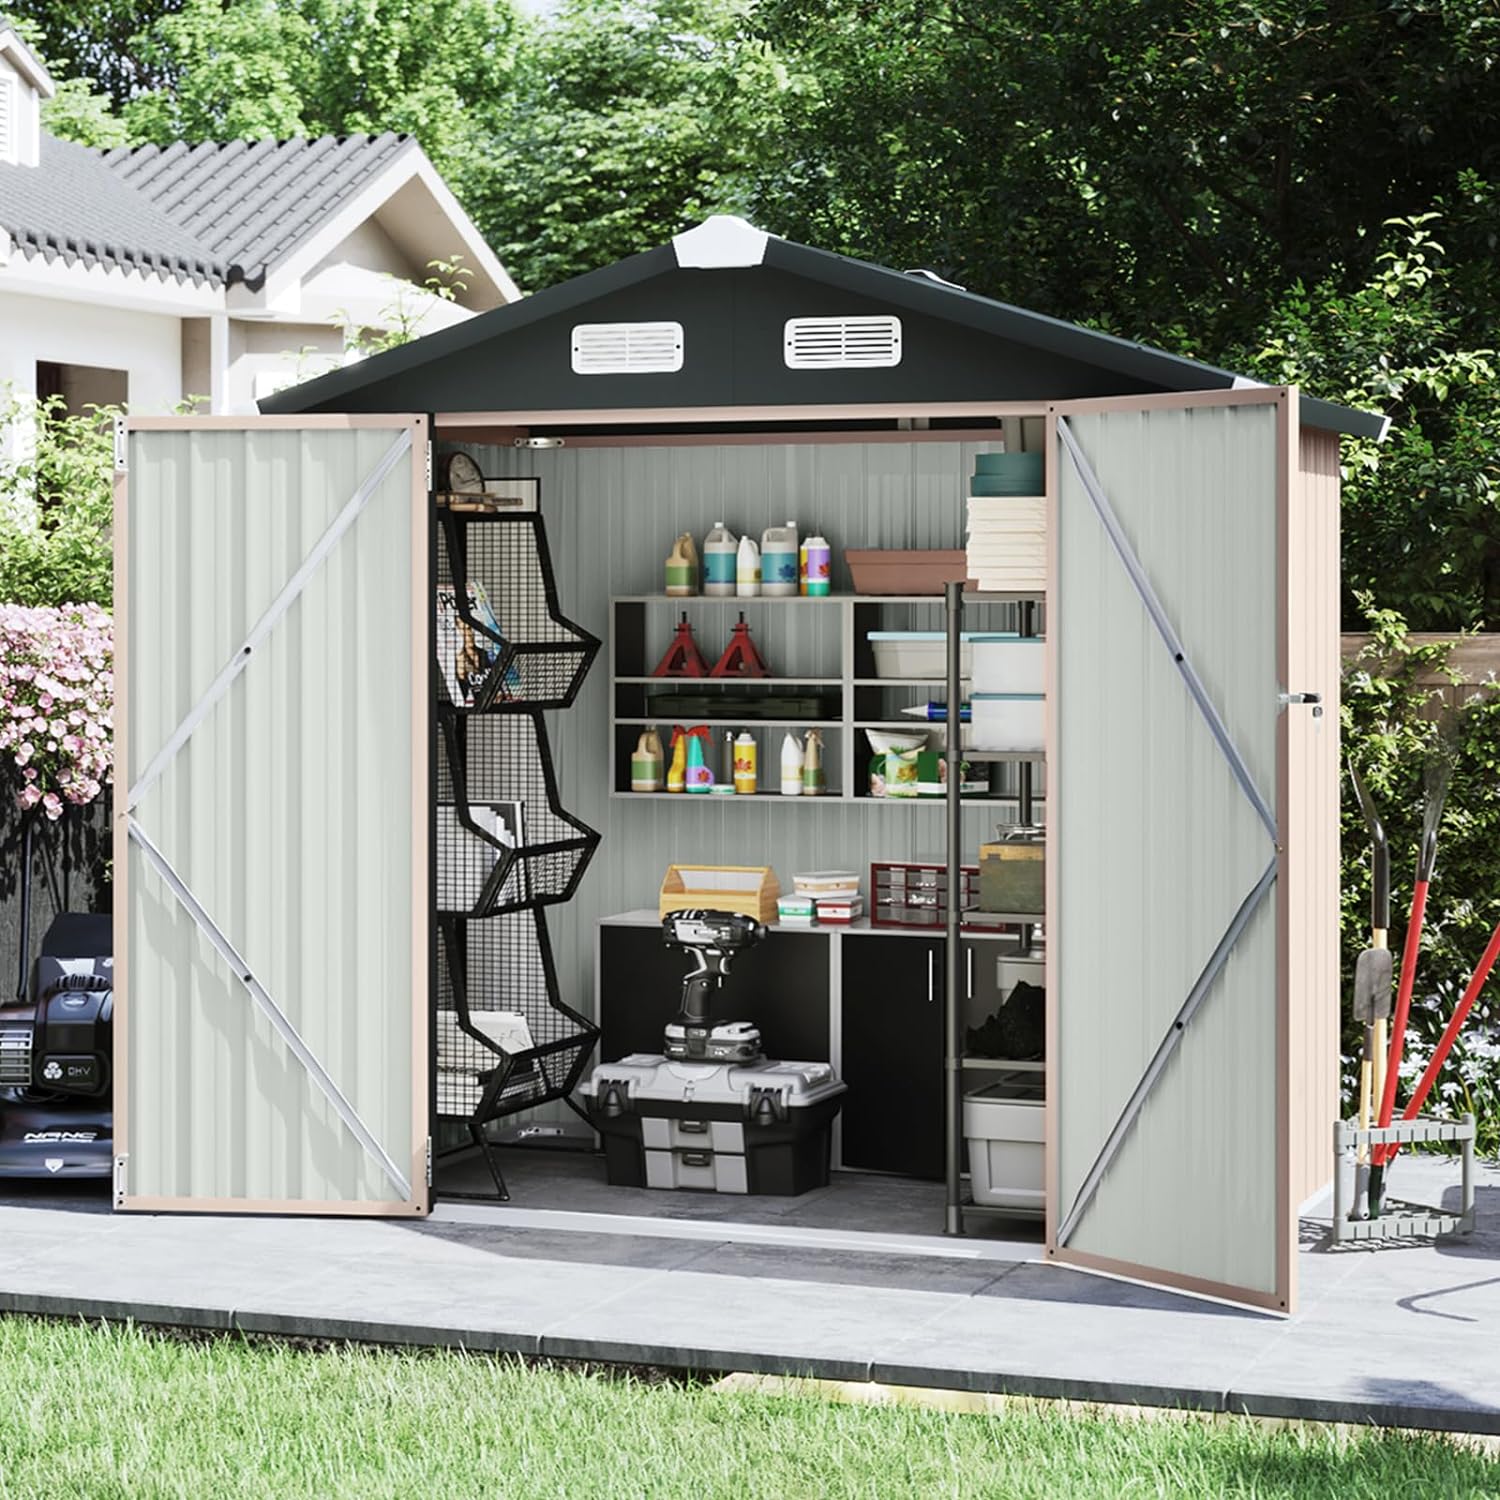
{"points": [[1400, 1336]]}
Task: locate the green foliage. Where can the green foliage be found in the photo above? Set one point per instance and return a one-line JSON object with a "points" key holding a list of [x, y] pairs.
{"points": [[1422, 510], [627, 123], [77, 113], [56, 505], [400, 320], [1392, 730]]}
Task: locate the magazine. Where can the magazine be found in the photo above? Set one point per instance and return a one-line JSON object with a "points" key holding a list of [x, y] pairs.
{"points": [[465, 861], [466, 655]]}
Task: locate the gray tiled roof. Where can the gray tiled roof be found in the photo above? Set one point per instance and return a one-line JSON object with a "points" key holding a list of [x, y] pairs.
{"points": [[71, 207], [211, 213], [251, 202]]}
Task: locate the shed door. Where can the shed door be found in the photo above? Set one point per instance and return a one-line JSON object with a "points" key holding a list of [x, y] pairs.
{"points": [[272, 606], [1166, 631]]}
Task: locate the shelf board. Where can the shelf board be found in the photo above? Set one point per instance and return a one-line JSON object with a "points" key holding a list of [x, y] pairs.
{"points": [[933, 599], [697, 682], [1002, 1065], [1008, 918], [1001, 756], [830, 796], [739, 721], [930, 683], [1007, 596]]}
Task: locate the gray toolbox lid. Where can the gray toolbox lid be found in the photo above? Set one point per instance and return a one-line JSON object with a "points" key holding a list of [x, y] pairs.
{"points": [[648, 1076]]}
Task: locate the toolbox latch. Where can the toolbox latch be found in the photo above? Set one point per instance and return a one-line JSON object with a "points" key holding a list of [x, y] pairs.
{"points": [[766, 1105], [614, 1097]]}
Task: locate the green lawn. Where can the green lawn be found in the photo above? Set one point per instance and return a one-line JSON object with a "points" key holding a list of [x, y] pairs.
{"points": [[89, 1411]]}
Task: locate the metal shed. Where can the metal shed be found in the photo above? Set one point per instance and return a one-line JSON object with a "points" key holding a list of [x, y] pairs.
{"points": [[274, 784]]}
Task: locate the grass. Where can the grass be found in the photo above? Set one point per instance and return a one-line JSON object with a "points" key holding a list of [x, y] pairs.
{"points": [[115, 1411]]}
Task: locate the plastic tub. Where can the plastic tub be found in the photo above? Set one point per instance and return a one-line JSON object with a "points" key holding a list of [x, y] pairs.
{"points": [[1008, 664], [923, 654], [1007, 721], [904, 572], [1003, 1124]]}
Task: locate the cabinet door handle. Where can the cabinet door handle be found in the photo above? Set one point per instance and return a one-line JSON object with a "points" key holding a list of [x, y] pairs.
{"points": [[930, 954], [969, 966]]}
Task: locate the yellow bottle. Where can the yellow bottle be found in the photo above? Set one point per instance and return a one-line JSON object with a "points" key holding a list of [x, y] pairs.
{"points": [[677, 771], [745, 778]]}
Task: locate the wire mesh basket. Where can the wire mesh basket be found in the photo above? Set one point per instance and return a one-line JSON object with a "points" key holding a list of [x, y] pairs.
{"points": [[502, 641], [504, 842], [504, 1041]]}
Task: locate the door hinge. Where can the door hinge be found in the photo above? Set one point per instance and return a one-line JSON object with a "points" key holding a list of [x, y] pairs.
{"points": [[429, 466], [429, 1161], [1312, 700], [122, 446], [120, 1180]]}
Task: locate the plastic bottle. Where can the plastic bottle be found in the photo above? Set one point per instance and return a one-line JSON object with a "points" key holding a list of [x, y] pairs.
{"points": [[720, 556], [814, 778], [779, 560], [724, 778], [744, 764], [791, 766], [817, 558], [747, 569], [645, 764], [682, 567], [677, 771], [699, 778]]}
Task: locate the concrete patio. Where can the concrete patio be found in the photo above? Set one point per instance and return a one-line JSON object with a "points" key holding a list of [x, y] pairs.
{"points": [[1404, 1336]]}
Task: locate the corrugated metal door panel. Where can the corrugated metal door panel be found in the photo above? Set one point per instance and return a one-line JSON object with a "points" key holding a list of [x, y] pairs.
{"points": [[1157, 846], [293, 814]]}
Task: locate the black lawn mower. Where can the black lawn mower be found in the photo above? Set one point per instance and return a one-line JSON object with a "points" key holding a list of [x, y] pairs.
{"points": [[57, 1056]]}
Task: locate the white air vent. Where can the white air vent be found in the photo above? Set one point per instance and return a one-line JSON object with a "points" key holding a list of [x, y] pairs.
{"points": [[842, 343], [15, 1055], [627, 348]]}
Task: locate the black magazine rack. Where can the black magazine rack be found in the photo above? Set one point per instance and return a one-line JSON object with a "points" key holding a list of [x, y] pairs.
{"points": [[503, 1039]]}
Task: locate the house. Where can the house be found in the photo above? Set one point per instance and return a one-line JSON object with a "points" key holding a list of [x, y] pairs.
{"points": [[223, 271]]}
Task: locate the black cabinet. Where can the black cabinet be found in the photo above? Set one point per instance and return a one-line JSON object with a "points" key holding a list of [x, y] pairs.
{"points": [[781, 985], [893, 1053]]}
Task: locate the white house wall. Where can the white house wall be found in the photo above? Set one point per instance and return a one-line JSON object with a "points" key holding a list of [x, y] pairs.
{"points": [[147, 346]]}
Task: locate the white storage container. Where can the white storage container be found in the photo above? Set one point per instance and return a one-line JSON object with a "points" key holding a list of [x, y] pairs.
{"points": [[1008, 664], [1003, 1124], [1007, 721], [923, 654]]}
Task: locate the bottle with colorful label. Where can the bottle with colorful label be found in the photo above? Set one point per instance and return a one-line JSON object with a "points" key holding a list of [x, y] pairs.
{"points": [[720, 552], [747, 569], [779, 560], [645, 764], [745, 781], [817, 558]]}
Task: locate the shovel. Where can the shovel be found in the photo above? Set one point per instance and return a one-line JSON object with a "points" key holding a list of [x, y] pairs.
{"points": [[1373, 976]]}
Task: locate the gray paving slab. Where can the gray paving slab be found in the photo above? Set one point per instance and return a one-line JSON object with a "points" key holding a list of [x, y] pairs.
{"points": [[1405, 1335]]}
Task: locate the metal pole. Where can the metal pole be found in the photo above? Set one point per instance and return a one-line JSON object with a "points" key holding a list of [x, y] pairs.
{"points": [[953, 1218], [23, 938], [1025, 809]]}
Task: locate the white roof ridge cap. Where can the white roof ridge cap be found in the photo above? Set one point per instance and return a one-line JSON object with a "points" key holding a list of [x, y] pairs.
{"points": [[720, 242]]}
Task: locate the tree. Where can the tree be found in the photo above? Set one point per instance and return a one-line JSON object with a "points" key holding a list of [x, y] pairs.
{"points": [[627, 123], [1162, 168]]}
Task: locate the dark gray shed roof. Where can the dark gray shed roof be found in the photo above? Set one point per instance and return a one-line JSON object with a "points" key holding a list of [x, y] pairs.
{"points": [[71, 207], [251, 202], [211, 213], [956, 346]]}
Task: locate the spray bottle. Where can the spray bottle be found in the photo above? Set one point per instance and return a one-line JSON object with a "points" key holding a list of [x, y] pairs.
{"points": [[699, 778]]}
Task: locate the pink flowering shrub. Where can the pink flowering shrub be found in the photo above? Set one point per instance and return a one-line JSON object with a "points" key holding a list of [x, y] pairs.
{"points": [[56, 699]]}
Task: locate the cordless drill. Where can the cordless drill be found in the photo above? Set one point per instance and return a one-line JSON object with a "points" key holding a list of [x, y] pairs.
{"points": [[713, 938]]}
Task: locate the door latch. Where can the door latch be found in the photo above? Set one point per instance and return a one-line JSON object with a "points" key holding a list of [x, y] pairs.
{"points": [[1312, 700]]}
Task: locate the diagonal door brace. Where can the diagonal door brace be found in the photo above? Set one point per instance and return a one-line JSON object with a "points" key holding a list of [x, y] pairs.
{"points": [[269, 1008], [1241, 772], [273, 612]]}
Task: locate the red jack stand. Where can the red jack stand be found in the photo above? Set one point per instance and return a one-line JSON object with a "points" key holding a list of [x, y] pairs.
{"points": [[682, 657], [740, 658]]}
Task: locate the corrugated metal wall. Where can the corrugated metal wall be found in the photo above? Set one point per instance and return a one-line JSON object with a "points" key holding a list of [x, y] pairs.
{"points": [[612, 514], [1160, 846], [288, 814]]}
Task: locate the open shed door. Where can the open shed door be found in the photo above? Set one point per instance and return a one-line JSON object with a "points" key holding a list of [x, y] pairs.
{"points": [[1169, 858], [271, 815]]}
